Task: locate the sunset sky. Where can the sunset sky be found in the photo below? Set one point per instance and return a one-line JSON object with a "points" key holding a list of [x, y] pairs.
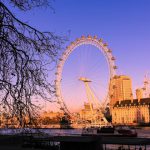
{"points": [[123, 24]]}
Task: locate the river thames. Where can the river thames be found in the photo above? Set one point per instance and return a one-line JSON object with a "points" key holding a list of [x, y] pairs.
{"points": [[143, 132]]}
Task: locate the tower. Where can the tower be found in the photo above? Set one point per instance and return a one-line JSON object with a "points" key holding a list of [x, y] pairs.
{"points": [[139, 94], [146, 88], [120, 89]]}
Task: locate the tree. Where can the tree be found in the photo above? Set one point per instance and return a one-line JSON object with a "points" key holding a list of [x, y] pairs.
{"points": [[25, 55], [107, 113], [65, 121]]}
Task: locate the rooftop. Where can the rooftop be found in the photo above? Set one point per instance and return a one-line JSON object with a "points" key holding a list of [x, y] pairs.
{"points": [[143, 101]]}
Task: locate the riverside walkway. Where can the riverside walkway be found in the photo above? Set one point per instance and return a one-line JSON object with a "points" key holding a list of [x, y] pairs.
{"points": [[92, 142], [70, 142]]}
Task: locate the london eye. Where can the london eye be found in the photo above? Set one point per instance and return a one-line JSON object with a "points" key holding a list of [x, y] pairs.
{"points": [[82, 43]]}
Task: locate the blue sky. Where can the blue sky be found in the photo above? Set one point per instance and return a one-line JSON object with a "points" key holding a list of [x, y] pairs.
{"points": [[123, 24]]}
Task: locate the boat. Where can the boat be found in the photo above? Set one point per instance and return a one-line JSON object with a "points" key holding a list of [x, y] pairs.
{"points": [[119, 131], [106, 129], [125, 131], [97, 130]]}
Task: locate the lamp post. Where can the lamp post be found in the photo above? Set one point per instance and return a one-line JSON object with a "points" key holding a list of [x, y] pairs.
{"points": [[0, 117], [149, 111]]}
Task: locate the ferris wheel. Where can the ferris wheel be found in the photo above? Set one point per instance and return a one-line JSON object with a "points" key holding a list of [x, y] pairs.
{"points": [[89, 40]]}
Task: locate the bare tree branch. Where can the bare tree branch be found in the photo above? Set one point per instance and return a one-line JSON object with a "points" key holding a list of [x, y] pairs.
{"points": [[25, 55], [29, 4]]}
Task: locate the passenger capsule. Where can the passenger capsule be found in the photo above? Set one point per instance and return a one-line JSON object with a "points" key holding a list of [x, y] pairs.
{"points": [[109, 51], [59, 102], [77, 39], [61, 108], [100, 40], [113, 58], [105, 44], [82, 37], [60, 59], [115, 67], [89, 37], [95, 37]]}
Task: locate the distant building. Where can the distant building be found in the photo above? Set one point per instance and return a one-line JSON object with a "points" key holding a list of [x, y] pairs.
{"points": [[51, 114], [92, 115], [88, 107], [131, 111], [139, 94], [146, 87], [86, 112], [120, 89]]}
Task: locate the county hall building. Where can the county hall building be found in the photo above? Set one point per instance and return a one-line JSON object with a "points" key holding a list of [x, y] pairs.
{"points": [[125, 109]]}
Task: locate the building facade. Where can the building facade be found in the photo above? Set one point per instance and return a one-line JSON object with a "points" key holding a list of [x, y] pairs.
{"points": [[86, 112], [92, 116], [131, 111]]}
